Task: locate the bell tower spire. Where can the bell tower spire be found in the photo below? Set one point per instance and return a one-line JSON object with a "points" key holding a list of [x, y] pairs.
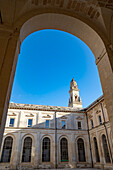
{"points": [[75, 100]]}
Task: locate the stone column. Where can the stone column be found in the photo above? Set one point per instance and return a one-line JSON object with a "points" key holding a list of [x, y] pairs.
{"points": [[8, 58]]}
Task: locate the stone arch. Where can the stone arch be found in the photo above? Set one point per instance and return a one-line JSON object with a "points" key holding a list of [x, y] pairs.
{"points": [[78, 28], [35, 20], [63, 136], [28, 135], [47, 135], [59, 22], [82, 137]]}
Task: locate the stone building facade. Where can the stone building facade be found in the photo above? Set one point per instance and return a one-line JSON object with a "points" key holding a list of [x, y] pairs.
{"points": [[38, 136]]}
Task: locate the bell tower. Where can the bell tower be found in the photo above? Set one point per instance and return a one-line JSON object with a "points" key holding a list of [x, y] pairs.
{"points": [[75, 100]]}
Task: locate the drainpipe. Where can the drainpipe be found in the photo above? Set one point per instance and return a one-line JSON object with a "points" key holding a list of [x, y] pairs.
{"points": [[106, 131], [89, 141], [55, 141]]}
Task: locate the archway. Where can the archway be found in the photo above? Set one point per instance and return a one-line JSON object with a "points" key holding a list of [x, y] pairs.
{"points": [[31, 23]]}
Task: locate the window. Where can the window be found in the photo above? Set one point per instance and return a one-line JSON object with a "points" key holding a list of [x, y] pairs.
{"points": [[79, 125], [7, 149], [30, 122], [96, 150], [105, 148], [46, 150], [63, 124], [47, 124], [11, 124], [100, 120], [92, 123], [64, 150], [27, 147], [81, 150]]}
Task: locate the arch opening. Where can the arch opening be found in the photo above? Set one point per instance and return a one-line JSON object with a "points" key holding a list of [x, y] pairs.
{"points": [[53, 57]]}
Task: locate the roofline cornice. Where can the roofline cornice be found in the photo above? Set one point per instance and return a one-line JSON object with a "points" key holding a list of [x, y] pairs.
{"points": [[54, 108]]}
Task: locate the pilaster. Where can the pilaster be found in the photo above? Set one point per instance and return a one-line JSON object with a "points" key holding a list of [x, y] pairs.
{"points": [[9, 51]]}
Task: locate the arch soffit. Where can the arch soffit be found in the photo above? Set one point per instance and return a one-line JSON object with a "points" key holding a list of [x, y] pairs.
{"points": [[65, 23]]}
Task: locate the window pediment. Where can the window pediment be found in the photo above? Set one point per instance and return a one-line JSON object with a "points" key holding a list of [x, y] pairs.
{"points": [[30, 115], [13, 114], [63, 117], [47, 116], [79, 118]]}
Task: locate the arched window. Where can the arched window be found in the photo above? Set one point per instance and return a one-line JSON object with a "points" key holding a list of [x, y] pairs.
{"points": [[76, 98], [96, 150], [27, 147], [46, 150], [64, 150], [7, 149], [105, 148], [81, 150]]}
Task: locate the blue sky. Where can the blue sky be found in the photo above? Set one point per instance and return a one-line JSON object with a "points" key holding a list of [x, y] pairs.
{"points": [[48, 60]]}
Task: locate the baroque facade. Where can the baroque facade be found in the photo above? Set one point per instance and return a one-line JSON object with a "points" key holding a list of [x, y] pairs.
{"points": [[38, 136]]}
